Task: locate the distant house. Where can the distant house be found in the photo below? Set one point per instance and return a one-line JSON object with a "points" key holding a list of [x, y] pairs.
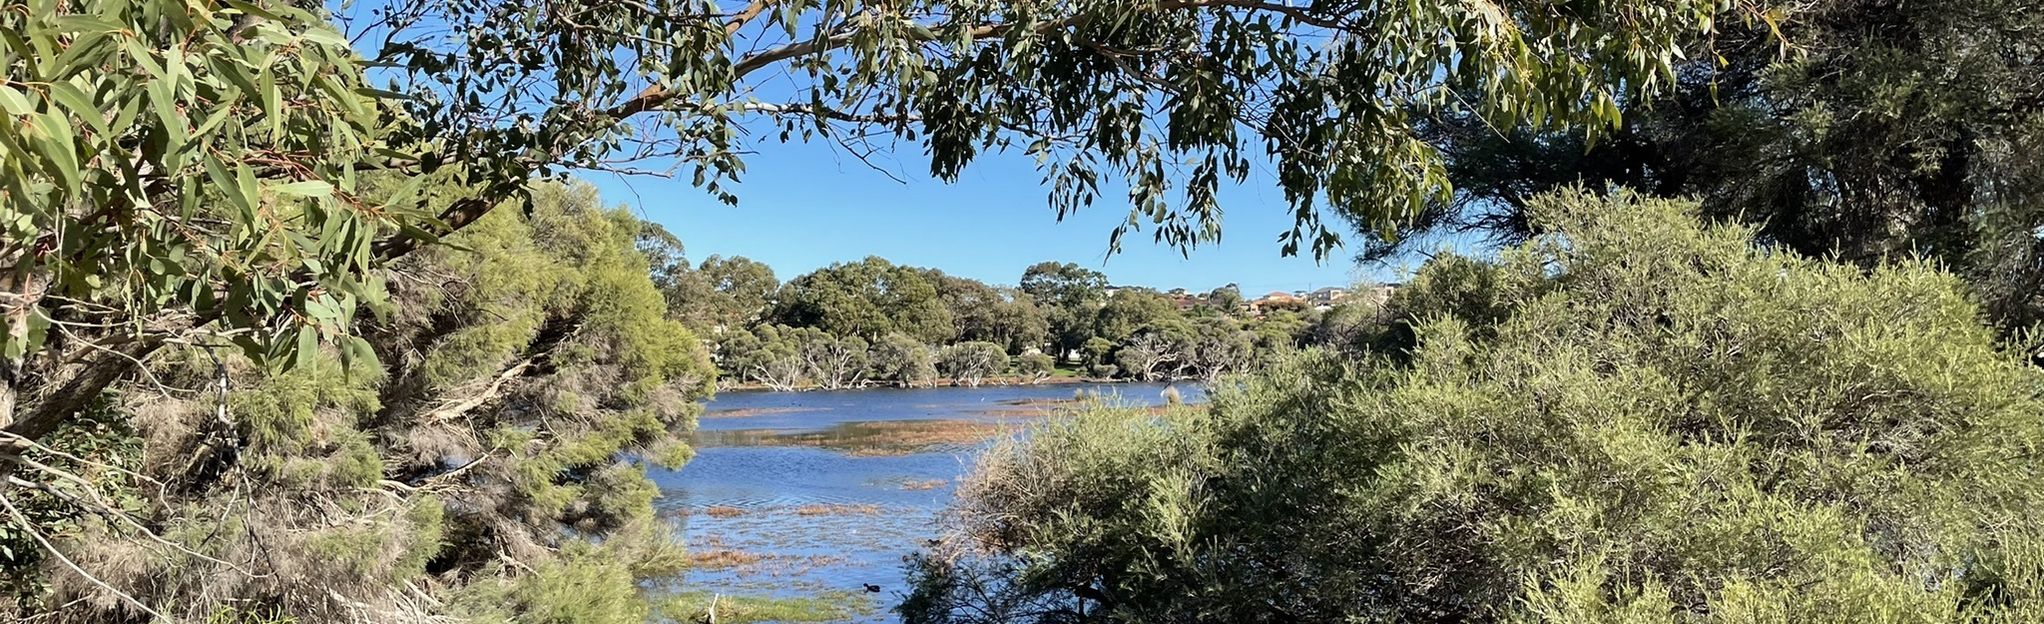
{"points": [[1277, 300], [1326, 296], [1377, 295]]}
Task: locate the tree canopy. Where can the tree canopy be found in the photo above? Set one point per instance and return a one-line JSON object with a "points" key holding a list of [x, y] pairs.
{"points": [[1888, 129], [868, 299], [255, 120]]}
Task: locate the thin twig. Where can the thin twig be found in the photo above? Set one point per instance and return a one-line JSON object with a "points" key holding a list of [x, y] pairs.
{"points": [[45, 543]]}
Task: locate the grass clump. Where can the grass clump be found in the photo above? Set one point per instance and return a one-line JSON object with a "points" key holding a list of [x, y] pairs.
{"points": [[696, 607]]}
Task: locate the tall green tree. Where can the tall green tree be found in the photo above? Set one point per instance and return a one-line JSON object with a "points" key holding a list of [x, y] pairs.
{"points": [[1226, 299], [1063, 285], [969, 363], [1071, 296], [1133, 309], [719, 294], [868, 299], [983, 313], [1889, 129]]}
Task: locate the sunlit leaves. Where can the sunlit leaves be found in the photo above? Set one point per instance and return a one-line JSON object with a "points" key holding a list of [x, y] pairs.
{"points": [[1166, 103], [184, 162]]}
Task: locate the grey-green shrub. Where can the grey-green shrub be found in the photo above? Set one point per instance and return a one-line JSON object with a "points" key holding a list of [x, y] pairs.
{"points": [[1635, 418]]}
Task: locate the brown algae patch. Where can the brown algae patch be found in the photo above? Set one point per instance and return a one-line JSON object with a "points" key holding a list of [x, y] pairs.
{"points": [[1051, 402], [723, 511], [713, 554], [837, 510], [722, 559], [753, 412], [1038, 407], [869, 438], [923, 484]]}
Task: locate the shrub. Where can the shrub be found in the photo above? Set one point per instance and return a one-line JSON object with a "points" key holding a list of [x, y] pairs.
{"points": [[902, 359], [1034, 366], [1634, 418], [968, 363]]}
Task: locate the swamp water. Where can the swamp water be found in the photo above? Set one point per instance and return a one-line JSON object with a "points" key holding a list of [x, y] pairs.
{"points": [[818, 495]]}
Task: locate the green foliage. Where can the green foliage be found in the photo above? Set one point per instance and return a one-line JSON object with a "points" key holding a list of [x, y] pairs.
{"points": [[518, 380], [1065, 285], [1134, 309], [903, 360], [867, 299], [986, 314], [158, 158], [696, 607], [103, 446], [299, 427], [1226, 299], [970, 362], [719, 293], [1034, 366], [1096, 351], [586, 584], [1890, 129], [194, 173], [1071, 296], [1632, 419]]}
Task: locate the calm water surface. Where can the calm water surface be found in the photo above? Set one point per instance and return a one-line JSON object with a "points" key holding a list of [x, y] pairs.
{"points": [[808, 493]]}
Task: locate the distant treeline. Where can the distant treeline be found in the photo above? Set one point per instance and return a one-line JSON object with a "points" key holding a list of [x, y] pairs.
{"points": [[873, 321]]}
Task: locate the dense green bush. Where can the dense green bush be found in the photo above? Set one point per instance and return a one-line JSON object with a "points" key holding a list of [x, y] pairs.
{"points": [[1034, 366], [483, 470], [1633, 419]]}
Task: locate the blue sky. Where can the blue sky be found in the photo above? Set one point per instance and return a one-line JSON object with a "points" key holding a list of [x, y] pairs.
{"points": [[804, 206], [807, 205]]}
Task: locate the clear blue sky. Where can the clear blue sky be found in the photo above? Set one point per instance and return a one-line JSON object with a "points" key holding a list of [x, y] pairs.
{"points": [[804, 206]]}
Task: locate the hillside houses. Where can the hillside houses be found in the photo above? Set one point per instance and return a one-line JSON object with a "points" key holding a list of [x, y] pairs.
{"points": [[1320, 299], [1296, 301]]}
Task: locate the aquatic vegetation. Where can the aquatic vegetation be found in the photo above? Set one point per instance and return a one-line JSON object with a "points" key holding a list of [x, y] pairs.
{"points": [[874, 438], [723, 558], [722, 511], [753, 412], [709, 607], [837, 510]]}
